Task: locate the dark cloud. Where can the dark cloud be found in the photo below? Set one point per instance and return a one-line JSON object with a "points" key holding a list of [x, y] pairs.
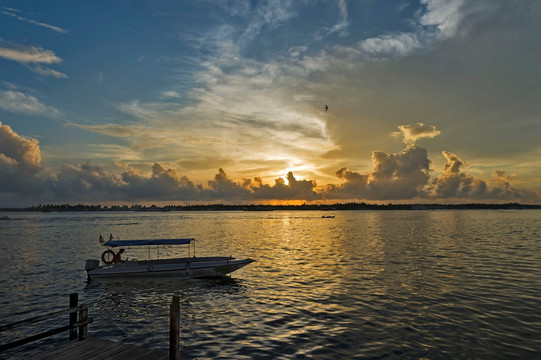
{"points": [[292, 190], [163, 184], [397, 176], [404, 175], [222, 187], [86, 182], [454, 183]]}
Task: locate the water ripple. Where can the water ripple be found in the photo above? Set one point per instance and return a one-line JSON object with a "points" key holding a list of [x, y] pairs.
{"points": [[363, 285]]}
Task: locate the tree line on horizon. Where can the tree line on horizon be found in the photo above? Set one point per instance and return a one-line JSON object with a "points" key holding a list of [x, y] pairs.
{"points": [[257, 207]]}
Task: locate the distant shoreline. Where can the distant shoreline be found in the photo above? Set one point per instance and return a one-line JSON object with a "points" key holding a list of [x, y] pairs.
{"points": [[221, 207]]}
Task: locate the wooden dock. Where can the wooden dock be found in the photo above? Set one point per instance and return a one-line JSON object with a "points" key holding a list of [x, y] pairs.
{"points": [[81, 347], [99, 349]]}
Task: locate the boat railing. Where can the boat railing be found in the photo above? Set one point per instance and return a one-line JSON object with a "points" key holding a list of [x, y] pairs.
{"points": [[153, 243], [194, 259]]}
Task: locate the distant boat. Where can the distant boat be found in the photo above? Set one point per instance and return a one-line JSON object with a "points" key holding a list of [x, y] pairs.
{"points": [[327, 216], [4, 218], [187, 267]]}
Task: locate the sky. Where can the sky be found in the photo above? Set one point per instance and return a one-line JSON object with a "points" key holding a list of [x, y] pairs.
{"points": [[180, 102]]}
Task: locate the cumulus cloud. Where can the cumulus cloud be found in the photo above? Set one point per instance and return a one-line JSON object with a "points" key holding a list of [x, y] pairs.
{"points": [[20, 161], [404, 175], [412, 133], [500, 175], [455, 183], [18, 150], [87, 182], [8, 164], [293, 189], [224, 187], [396, 176], [163, 184]]}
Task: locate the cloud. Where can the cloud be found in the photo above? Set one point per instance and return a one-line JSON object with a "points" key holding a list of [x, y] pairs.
{"points": [[239, 108], [240, 98], [401, 176], [404, 175], [412, 133], [33, 57], [222, 187], [18, 150], [12, 13], [438, 21], [292, 190], [116, 130], [29, 54], [19, 102], [392, 45], [342, 25], [445, 15], [163, 184], [500, 175], [85, 182], [48, 72], [171, 94], [20, 161], [243, 93], [454, 183], [7, 164], [141, 138]]}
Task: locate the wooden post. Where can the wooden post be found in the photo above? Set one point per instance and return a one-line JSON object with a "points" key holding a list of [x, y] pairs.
{"points": [[74, 299], [83, 318], [174, 329]]}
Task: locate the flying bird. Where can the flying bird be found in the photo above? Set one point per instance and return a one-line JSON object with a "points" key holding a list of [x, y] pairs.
{"points": [[326, 108]]}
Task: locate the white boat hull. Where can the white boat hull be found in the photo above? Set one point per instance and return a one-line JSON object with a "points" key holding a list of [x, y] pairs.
{"points": [[169, 268]]}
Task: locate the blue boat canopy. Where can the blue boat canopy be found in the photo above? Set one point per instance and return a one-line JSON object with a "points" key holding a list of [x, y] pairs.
{"points": [[114, 243]]}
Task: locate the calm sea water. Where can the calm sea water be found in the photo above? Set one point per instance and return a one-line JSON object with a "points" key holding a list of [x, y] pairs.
{"points": [[363, 285]]}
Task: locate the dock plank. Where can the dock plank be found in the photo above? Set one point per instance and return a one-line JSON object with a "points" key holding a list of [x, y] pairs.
{"points": [[100, 349], [58, 351]]}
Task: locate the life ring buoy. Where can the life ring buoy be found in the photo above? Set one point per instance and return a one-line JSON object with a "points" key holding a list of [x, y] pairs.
{"points": [[108, 259]]}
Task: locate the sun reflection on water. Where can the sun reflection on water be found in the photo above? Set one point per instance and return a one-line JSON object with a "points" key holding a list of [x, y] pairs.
{"points": [[361, 284]]}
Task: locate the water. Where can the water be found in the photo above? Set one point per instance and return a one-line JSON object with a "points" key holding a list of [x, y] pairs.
{"points": [[363, 285]]}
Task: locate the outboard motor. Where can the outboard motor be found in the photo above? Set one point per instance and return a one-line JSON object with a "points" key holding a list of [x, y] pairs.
{"points": [[92, 264]]}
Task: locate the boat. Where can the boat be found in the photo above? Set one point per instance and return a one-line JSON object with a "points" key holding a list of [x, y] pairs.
{"points": [[327, 217], [187, 267]]}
